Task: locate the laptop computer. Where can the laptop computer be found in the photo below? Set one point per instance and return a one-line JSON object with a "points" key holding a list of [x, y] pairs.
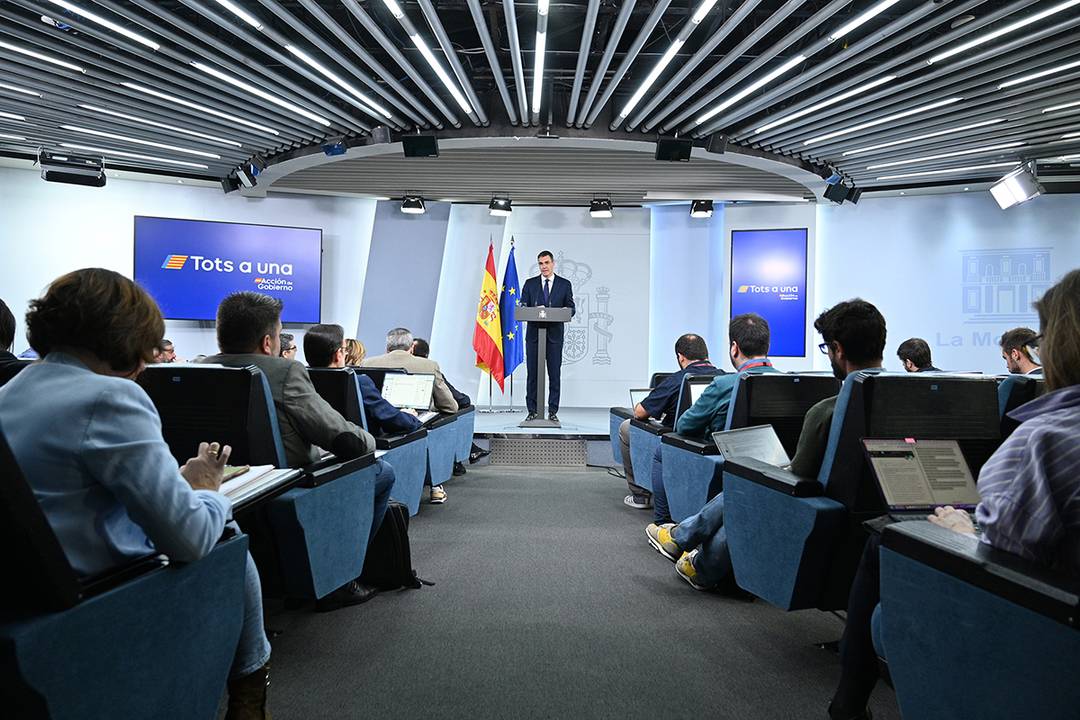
{"points": [[759, 442], [695, 386], [411, 391], [916, 476], [637, 395]]}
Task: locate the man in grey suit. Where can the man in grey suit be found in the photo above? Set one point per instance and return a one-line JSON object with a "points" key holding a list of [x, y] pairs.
{"points": [[399, 344], [249, 333]]}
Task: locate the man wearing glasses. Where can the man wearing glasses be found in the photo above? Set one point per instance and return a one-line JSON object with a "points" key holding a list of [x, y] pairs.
{"points": [[1020, 351]]}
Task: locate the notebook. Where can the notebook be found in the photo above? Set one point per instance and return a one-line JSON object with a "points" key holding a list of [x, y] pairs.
{"points": [[244, 487], [759, 442], [411, 391], [920, 475]]}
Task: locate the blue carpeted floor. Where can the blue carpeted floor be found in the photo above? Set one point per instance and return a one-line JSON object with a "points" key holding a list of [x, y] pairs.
{"points": [[549, 603]]}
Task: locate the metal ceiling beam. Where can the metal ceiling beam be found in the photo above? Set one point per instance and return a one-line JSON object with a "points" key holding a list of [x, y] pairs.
{"points": [[605, 60], [448, 49], [387, 44], [411, 105], [515, 60], [788, 41], [734, 54], [703, 52], [492, 57], [587, 31]]}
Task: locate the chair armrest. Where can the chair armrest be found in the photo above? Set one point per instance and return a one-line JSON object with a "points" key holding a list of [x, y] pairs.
{"points": [[442, 421], [332, 468], [773, 477], [389, 442], [651, 426], [965, 557], [623, 412], [698, 446]]}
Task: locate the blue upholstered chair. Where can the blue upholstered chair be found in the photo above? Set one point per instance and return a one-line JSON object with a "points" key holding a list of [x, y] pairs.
{"points": [[466, 428], [796, 542], [616, 417], [693, 468], [970, 631], [307, 541], [1014, 391], [146, 640], [442, 442], [644, 440]]}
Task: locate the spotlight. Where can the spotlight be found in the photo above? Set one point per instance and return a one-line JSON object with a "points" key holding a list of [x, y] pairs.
{"points": [[600, 208], [246, 175], [71, 169], [500, 207], [701, 208], [1017, 187], [838, 193], [853, 195], [413, 205], [334, 146], [230, 184]]}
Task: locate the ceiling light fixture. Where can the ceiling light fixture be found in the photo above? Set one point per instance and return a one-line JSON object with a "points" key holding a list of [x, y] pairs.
{"points": [[40, 56], [241, 13], [825, 103], [12, 116], [760, 82], [1061, 107], [413, 205], [137, 141], [429, 57], [200, 108], [861, 19], [701, 208], [153, 123], [601, 208], [927, 173], [94, 18], [5, 136], [20, 90], [1040, 74], [134, 156], [1002, 31], [259, 92], [940, 156], [1017, 187], [926, 136], [538, 56], [500, 207], [366, 104], [1066, 136], [1069, 158], [883, 120]]}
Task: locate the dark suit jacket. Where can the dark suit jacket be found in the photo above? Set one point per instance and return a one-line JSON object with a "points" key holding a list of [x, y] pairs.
{"points": [[382, 417], [561, 295], [10, 366]]}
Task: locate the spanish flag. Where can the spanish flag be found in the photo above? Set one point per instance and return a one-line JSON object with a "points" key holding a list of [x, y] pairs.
{"points": [[487, 337]]}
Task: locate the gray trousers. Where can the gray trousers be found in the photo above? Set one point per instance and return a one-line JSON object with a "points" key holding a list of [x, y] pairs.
{"points": [[624, 446]]}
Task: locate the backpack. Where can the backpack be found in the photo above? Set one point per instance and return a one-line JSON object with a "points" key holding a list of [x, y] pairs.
{"points": [[388, 564]]}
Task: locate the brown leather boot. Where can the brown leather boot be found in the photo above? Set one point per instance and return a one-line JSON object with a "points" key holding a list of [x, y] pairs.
{"points": [[247, 696]]}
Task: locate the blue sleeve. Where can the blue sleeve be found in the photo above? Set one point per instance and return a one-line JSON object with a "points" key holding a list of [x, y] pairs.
{"points": [[124, 451], [381, 415], [698, 418]]}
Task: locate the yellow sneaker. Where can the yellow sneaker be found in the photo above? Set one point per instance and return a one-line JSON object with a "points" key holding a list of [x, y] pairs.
{"points": [[660, 538], [685, 568]]}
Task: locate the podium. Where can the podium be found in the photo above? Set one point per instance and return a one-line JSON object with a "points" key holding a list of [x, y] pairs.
{"points": [[542, 316]]}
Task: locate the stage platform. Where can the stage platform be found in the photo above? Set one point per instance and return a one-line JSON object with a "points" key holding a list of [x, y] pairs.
{"points": [[584, 423]]}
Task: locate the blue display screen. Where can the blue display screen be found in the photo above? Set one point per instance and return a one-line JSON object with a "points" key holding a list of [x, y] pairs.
{"points": [[768, 277], [189, 266]]}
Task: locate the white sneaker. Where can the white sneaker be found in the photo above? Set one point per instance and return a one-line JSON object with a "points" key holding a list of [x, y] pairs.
{"points": [[637, 503], [438, 495]]}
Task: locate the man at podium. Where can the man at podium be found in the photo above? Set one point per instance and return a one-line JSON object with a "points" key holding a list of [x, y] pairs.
{"points": [[547, 290]]}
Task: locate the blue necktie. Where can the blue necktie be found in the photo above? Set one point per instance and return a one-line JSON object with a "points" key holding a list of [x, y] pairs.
{"points": [[547, 291]]}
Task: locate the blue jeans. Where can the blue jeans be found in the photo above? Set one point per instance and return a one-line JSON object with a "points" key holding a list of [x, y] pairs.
{"points": [[253, 650], [661, 512], [384, 482], [705, 531]]}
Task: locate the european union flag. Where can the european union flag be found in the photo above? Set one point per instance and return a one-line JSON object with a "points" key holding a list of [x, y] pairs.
{"points": [[513, 338]]}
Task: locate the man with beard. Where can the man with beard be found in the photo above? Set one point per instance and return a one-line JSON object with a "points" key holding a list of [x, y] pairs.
{"points": [[854, 339]]}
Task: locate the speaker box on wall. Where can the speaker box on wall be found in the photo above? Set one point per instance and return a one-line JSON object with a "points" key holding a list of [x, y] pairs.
{"points": [[420, 146], [674, 149], [718, 143]]}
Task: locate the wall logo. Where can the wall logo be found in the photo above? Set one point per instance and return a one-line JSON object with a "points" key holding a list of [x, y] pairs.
{"points": [[174, 262], [999, 286], [586, 327]]}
